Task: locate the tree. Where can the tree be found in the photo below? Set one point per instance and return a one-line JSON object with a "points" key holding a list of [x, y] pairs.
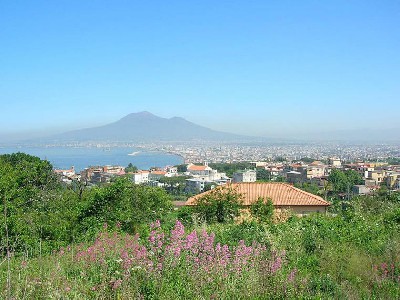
{"points": [[124, 204], [310, 187], [280, 179], [262, 210], [307, 160], [174, 185], [339, 181], [326, 188], [181, 168], [342, 181], [353, 177], [131, 168], [208, 186], [219, 205], [230, 168], [263, 175], [393, 160], [32, 202]]}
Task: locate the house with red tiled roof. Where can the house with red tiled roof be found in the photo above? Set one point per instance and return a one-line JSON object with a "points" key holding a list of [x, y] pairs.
{"points": [[284, 197], [196, 170], [203, 175]]}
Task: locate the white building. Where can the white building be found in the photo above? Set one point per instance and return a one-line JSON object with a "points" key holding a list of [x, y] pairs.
{"points": [[197, 185], [195, 170], [335, 162], [171, 171], [245, 176], [316, 170], [140, 177]]}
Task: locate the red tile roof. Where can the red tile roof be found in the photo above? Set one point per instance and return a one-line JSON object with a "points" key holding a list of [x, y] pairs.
{"points": [[281, 194], [142, 172], [197, 168], [158, 172]]}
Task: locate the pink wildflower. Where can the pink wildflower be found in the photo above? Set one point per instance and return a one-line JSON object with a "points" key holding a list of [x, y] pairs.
{"points": [[292, 275], [24, 264], [116, 284]]}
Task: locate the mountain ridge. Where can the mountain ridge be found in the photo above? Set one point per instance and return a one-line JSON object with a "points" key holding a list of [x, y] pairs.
{"points": [[145, 126]]}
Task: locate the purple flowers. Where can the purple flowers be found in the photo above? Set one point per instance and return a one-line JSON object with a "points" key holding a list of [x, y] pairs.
{"points": [[195, 253], [387, 272]]}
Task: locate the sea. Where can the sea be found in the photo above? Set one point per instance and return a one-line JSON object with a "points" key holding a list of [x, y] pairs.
{"points": [[83, 157]]}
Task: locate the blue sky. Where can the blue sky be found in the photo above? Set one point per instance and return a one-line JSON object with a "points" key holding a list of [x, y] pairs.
{"points": [[272, 68]]}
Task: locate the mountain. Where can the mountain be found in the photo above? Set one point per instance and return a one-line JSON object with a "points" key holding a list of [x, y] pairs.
{"points": [[144, 126]]}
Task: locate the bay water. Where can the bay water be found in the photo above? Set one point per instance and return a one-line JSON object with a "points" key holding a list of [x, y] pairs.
{"points": [[83, 157]]}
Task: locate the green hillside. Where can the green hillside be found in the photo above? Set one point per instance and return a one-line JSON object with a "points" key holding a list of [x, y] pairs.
{"points": [[125, 241]]}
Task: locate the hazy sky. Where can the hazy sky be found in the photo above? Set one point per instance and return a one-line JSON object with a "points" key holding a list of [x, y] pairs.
{"points": [[273, 68]]}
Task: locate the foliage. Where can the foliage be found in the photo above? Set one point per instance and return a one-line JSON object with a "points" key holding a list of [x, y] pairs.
{"points": [[280, 179], [124, 204], [181, 168], [219, 205], [168, 265], [280, 159], [131, 168], [310, 187], [42, 215], [393, 160], [262, 210], [230, 168], [174, 185], [263, 175], [343, 181], [307, 160], [232, 233], [351, 254], [33, 203]]}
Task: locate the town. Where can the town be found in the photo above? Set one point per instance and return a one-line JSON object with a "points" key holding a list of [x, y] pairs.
{"points": [[201, 171]]}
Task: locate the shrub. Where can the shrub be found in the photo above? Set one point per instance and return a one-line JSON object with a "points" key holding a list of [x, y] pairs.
{"points": [[262, 210], [219, 205]]}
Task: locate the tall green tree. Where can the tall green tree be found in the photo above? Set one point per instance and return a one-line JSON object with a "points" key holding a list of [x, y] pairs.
{"points": [[220, 205], [263, 175], [174, 185], [262, 210], [131, 168], [343, 181], [124, 204], [29, 191]]}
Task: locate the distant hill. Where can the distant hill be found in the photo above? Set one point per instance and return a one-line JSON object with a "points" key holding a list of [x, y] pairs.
{"points": [[144, 126]]}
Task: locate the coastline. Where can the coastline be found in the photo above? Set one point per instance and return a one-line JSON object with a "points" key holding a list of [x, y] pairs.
{"points": [[63, 157]]}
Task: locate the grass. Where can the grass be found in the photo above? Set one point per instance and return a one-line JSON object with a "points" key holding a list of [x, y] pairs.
{"points": [[309, 258]]}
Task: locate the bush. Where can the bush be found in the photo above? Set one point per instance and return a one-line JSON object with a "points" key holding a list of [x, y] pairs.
{"points": [[262, 210], [219, 205]]}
